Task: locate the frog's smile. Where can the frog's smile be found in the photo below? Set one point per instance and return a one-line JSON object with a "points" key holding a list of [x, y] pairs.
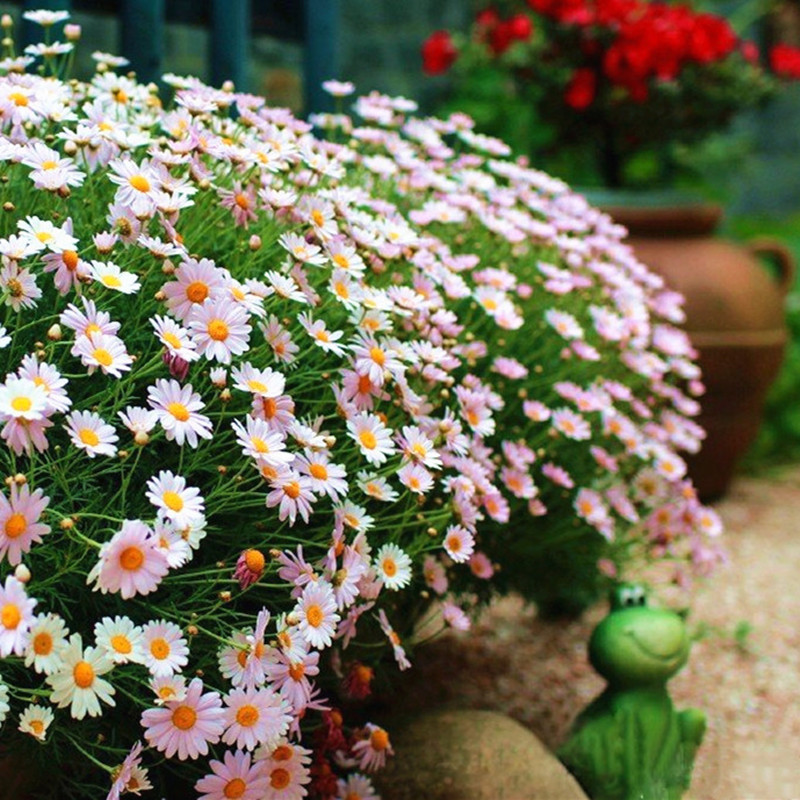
{"points": [[666, 659]]}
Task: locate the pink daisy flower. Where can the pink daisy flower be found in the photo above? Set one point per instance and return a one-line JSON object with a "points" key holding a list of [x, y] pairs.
{"points": [[286, 772], [165, 648], [177, 407], [16, 617], [195, 282], [572, 425], [263, 382], [416, 478], [234, 776], [91, 434], [373, 749], [106, 352], [255, 717], [220, 329], [290, 676], [459, 543], [293, 495], [19, 521], [241, 202], [130, 563], [69, 269], [46, 377], [187, 726], [259, 441]]}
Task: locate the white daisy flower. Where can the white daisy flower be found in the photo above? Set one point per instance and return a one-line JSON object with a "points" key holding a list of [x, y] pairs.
{"points": [[48, 638], [166, 650], [316, 611], [174, 499], [394, 566], [372, 436], [35, 720], [90, 433], [122, 640], [78, 684]]}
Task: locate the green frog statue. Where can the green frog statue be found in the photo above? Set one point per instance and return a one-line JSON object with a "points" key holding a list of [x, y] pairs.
{"points": [[630, 743]]}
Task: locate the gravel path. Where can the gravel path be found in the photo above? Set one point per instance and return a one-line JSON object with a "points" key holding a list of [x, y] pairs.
{"points": [[744, 671]]}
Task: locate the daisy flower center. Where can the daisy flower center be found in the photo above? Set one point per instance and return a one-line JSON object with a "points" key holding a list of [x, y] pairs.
{"points": [[282, 753], [18, 98], [454, 543], [247, 716], [112, 281], [341, 261], [319, 471], [89, 437], [323, 336], [43, 644], [257, 386], [70, 259], [121, 643], [280, 778], [242, 201], [218, 330], [197, 291], [173, 500], [314, 616], [171, 339], [379, 739], [83, 674], [389, 567], [165, 692], [341, 290], [377, 355], [21, 404], [235, 788], [140, 183], [37, 726], [131, 558], [368, 439], [259, 445], [102, 356], [419, 450], [292, 490], [10, 616], [296, 671], [44, 236], [270, 407], [184, 718], [46, 165], [92, 327], [159, 648], [179, 411], [16, 525], [255, 560], [318, 217]]}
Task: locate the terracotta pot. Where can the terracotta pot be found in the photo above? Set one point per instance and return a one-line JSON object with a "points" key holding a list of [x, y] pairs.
{"points": [[734, 317]]}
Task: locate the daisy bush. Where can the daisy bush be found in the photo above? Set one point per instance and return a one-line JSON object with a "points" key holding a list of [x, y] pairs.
{"points": [[272, 397]]}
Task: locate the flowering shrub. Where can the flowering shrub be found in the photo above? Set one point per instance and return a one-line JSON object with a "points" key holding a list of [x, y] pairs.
{"points": [[614, 79], [269, 397]]}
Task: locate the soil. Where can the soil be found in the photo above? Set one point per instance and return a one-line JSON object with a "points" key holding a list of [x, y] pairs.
{"points": [[744, 670]]}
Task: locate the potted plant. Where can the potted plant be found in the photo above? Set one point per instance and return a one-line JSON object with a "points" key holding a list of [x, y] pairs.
{"points": [[623, 93]]}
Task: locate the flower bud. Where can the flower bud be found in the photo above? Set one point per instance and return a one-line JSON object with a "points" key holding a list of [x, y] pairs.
{"points": [[54, 333], [6, 21], [141, 438], [255, 242], [72, 32], [22, 573]]}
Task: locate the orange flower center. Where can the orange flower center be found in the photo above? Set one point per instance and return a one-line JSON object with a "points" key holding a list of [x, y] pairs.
{"points": [[140, 183], [159, 648], [218, 330], [389, 567], [16, 525], [121, 643], [242, 201], [83, 674], [296, 671], [131, 558], [235, 788], [247, 716], [282, 753], [172, 500], [379, 739], [255, 560], [377, 355], [314, 616], [197, 291], [368, 439], [43, 644], [319, 471], [292, 490], [179, 411], [184, 717], [10, 616], [70, 259]]}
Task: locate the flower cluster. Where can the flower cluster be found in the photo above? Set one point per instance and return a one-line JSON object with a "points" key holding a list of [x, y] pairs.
{"points": [[629, 74], [268, 397]]}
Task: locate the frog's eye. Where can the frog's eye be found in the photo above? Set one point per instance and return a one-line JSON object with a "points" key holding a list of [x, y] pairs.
{"points": [[629, 596]]}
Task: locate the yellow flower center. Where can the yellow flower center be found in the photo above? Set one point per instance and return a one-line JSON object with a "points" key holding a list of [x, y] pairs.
{"points": [[255, 560], [171, 339], [102, 356], [315, 616], [49, 164], [218, 330], [179, 411], [319, 471], [10, 616], [389, 567], [184, 717], [257, 386], [16, 525], [21, 404], [165, 692], [247, 716], [173, 500], [235, 788], [44, 236], [318, 217], [83, 674], [323, 335], [259, 445], [419, 450], [89, 437], [37, 726], [131, 558], [242, 201], [140, 183], [341, 261], [377, 355], [159, 648], [18, 98], [112, 281], [368, 439], [91, 328], [121, 643], [292, 490], [197, 291], [43, 644]]}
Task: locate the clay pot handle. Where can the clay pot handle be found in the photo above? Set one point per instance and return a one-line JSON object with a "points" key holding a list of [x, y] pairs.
{"points": [[780, 255]]}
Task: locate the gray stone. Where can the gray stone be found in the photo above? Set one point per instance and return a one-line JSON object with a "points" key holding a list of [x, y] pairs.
{"points": [[472, 755]]}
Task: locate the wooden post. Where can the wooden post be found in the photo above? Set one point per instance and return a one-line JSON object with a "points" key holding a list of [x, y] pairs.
{"points": [[230, 42], [33, 33], [321, 52], [142, 37]]}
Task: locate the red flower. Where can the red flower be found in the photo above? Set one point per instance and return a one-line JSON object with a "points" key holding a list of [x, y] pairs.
{"points": [[487, 18], [521, 27], [750, 52], [581, 90], [500, 38], [438, 53], [785, 61]]}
